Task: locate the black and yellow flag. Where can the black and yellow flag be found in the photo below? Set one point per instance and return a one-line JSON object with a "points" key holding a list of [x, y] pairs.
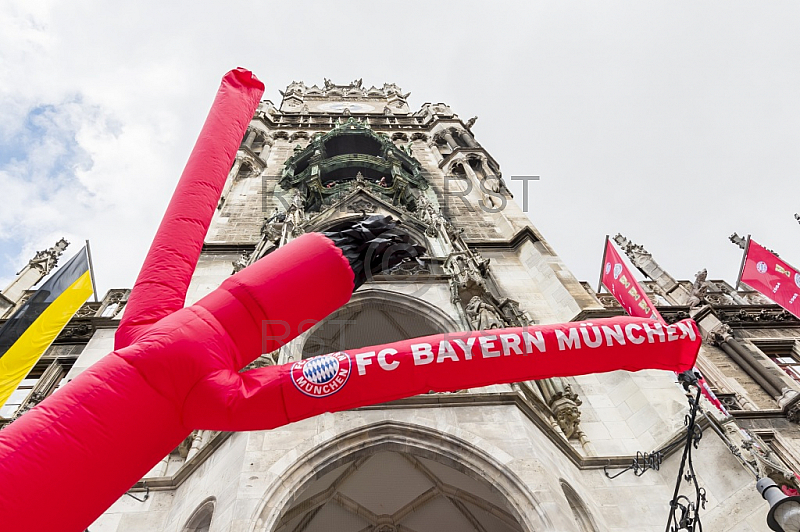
{"points": [[29, 332]]}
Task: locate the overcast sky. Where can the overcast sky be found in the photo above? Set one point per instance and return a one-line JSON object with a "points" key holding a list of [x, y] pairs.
{"points": [[675, 123]]}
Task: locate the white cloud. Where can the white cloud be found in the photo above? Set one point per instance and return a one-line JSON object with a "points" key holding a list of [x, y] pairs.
{"points": [[673, 123]]}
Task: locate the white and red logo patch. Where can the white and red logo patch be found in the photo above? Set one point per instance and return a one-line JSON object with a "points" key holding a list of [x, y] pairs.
{"points": [[323, 375], [761, 266]]}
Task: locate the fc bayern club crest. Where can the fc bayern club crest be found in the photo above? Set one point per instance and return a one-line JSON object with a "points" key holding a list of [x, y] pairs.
{"points": [[761, 266], [323, 375]]}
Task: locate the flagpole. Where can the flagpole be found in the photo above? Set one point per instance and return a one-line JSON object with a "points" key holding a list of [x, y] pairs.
{"points": [[744, 259], [602, 264], [91, 270]]}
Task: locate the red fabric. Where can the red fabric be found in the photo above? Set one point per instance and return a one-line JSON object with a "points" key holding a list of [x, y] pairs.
{"points": [[275, 395], [177, 369], [67, 460], [103, 431], [773, 277], [619, 281], [161, 286]]}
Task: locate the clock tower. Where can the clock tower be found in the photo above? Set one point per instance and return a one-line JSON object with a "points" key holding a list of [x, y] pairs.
{"points": [[522, 457]]}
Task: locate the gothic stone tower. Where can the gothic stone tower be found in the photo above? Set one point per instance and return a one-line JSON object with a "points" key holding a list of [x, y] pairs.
{"points": [[523, 457]]}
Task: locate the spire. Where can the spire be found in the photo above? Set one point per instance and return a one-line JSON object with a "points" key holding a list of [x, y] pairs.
{"points": [[37, 268], [645, 263]]}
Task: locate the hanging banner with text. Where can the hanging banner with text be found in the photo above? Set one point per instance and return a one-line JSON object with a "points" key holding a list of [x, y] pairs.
{"points": [[771, 276], [624, 287]]}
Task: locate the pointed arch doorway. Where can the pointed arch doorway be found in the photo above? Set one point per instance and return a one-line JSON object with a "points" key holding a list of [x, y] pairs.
{"points": [[396, 491], [398, 477]]}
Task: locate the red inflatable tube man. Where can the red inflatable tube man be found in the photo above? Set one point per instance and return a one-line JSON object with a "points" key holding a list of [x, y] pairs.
{"points": [[177, 369]]}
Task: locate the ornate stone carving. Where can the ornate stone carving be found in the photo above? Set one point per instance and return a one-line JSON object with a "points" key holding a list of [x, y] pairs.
{"points": [[760, 456], [362, 205], [46, 260], [568, 417], [720, 334], [793, 414], [483, 316], [241, 263], [738, 240], [87, 310], [80, 331], [635, 252], [608, 300], [699, 289], [763, 315], [674, 317], [563, 404], [408, 267], [471, 122]]}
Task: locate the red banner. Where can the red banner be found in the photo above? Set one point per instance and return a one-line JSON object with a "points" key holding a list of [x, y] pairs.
{"points": [[771, 276], [619, 281]]}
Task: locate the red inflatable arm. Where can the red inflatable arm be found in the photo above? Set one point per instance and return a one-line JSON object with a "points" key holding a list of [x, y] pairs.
{"points": [[276, 395], [177, 369], [103, 431]]}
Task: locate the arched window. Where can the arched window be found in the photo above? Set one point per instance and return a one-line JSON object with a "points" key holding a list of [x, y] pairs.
{"points": [[579, 511], [201, 518], [375, 317]]}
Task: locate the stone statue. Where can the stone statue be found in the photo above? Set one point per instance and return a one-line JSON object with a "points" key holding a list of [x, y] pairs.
{"points": [[424, 209], [699, 289], [482, 316], [387, 111], [471, 122], [738, 240], [297, 210]]}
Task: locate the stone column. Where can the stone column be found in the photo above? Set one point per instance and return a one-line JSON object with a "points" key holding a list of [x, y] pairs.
{"points": [[725, 341], [487, 169], [265, 151], [437, 155], [197, 444], [449, 138], [468, 138], [250, 137]]}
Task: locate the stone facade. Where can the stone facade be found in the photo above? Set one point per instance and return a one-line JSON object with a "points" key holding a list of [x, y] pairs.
{"points": [[531, 456]]}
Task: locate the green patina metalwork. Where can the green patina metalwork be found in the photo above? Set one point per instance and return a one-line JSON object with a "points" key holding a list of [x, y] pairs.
{"points": [[350, 155]]}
